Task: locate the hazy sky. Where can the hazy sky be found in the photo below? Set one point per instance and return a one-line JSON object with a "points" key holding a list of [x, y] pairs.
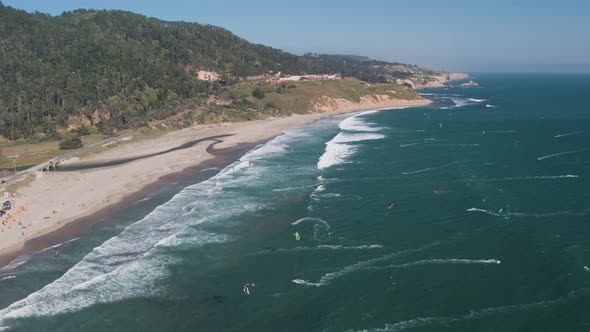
{"points": [[468, 35]]}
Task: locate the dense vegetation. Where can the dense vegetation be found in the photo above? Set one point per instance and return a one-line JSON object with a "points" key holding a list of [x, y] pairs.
{"points": [[71, 143], [113, 69]]}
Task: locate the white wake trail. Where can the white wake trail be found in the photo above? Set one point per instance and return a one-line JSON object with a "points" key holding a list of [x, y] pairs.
{"points": [[559, 154], [566, 134], [476, 314]]}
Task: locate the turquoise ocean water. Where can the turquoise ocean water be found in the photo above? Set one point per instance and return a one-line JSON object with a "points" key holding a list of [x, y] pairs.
{"points": [[443, 258]]}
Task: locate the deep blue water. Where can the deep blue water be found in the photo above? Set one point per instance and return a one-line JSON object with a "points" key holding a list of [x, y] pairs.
{"points": [[488, 229]]}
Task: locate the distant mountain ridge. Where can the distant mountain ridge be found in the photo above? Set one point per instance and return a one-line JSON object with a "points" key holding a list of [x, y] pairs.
{"points": [[114, 69]]}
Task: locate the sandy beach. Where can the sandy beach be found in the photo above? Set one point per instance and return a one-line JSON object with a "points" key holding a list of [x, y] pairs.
{"points": [[59, 198]]}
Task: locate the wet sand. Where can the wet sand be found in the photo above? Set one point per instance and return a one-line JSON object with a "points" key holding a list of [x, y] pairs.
{"points": [[81, 226]]}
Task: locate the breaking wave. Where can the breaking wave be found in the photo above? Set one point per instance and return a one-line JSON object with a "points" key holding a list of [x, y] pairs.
{"points": [[353, 129], [136, 261]]}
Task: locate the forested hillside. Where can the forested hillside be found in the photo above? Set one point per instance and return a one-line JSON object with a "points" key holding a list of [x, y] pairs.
{"points": [[114, 69]]}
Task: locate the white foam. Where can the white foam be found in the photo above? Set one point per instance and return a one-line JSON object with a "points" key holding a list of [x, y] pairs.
{"points": [[316, 220], [477, 100], [355, 123], [490, 106], [191, 238], [320, 188], [349, 138], [306, 283], [330, 195], [559, 154], [134, 262], [337, 151], [460, 102], [567, 134], [335, 154], [353, 129], [484, 211], [8, 277]]}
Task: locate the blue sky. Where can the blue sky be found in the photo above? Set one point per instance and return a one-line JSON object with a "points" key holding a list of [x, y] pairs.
{"points": [[495, 35]]}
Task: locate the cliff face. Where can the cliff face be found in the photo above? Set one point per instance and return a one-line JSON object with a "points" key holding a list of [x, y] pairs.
{"points": [[330, 104], [432, 81]]}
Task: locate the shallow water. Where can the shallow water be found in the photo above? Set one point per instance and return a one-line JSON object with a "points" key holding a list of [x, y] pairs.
{"points": [[444, 261]]}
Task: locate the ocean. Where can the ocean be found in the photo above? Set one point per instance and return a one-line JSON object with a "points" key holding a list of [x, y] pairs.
{"points": [[487, 229]]}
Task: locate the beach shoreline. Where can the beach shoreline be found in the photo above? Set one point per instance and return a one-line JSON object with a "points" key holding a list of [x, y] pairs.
{"points": [[132, 171]]}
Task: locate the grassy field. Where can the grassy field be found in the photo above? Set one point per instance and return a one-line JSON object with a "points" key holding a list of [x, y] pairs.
{"points": [[23, 154], [239, 103]]}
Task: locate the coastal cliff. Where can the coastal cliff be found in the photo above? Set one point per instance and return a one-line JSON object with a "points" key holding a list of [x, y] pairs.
{"points": [[328, 104], [432, 81]]}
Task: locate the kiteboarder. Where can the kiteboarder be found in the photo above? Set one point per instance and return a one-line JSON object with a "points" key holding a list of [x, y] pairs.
{"points": [[504, 212], [297, 236], [389, 206], [250, 163], [247, 288], [435, 190], [56, 251]]}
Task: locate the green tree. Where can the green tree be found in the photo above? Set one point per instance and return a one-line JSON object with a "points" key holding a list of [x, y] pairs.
{"points": [[258, 93], [71, 143]]}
